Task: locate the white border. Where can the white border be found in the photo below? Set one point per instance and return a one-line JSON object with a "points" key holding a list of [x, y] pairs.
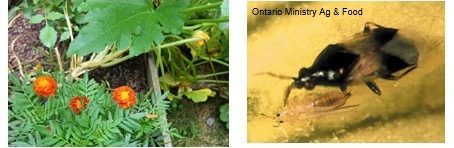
{"points": [[237, 73], [4, 73], [238, 81]]}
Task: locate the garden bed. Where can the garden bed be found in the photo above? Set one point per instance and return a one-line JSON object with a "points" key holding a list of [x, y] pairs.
{"points": [[207, 128]]}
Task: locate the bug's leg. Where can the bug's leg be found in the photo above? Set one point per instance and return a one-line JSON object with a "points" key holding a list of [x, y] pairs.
{"points": [[343, 87], [368, 24], [373, 86], [390, 76], [287, 93], [366, 28]]}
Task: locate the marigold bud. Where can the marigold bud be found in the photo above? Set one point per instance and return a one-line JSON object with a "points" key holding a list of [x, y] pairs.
{"points": [[76, 104]]}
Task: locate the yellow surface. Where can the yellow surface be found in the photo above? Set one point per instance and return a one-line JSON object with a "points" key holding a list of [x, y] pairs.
{"points": [[284, 44]]}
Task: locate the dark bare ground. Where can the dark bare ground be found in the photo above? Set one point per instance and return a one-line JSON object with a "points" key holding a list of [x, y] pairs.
{"points": [[190, 118], [27, 47], [131, 72], [192, 121]]}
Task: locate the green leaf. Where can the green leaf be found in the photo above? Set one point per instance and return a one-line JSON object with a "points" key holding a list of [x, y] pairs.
{"points": [[54, 15], [12, 13], [21, 144], [168, 79], [31, 139], [36, 19], [43, 130], [225, 8], [65, 35], [116, 144], [60, 144], [137, 116], [48, 36], [224, 116], [224, 109], [200, 95], [127, 138], [50, 142], [133, 22], [14, 123], [125, 127]]}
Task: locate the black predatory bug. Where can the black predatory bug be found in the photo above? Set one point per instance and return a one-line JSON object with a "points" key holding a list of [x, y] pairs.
{"points": [[377, 51]]}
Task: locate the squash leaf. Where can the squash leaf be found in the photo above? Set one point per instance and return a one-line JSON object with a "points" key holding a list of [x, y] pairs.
{"points": [[200, 95], [127, 23]]}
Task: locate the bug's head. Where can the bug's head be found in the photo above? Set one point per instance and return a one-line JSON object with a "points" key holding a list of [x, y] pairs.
{"points": [[304, 79]]}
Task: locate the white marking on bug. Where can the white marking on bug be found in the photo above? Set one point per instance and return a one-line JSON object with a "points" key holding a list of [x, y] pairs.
{"points": [[331, 75], [319, 74], [304, 79]]}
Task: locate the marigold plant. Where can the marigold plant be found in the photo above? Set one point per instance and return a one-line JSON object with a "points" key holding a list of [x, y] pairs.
{"points": [[76, 104], [82, 114], [45, 86], [124, 96]]}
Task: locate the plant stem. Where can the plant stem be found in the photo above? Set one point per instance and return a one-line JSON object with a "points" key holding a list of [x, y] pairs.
{"points": [[218, 20], [19, 64], [116, 61], [10, 24], [213, 81], [174, 36], [68, 22], [179, 42], [198, 26], [217, 61], [213, 74], [57, 54], [119, 52], [203, 8]]}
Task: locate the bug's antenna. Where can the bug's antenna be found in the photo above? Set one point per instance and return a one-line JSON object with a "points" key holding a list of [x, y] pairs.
{"points": [[287, 92], [284, 77]]}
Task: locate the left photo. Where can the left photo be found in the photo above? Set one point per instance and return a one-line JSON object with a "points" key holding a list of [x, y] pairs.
{"points": [[134, 73]]}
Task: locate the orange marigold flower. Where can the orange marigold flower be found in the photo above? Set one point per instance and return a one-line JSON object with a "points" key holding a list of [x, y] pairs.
{"points": [[124, 96], [45, 86], [76, 104]]}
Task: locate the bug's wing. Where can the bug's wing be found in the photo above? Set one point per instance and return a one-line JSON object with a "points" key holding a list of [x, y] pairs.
{"points": [[395, 44], [403, 48], [383, 35], [334, 57]]}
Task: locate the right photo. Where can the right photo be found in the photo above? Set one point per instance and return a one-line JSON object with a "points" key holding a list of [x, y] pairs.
{"points": [[334, 72]]}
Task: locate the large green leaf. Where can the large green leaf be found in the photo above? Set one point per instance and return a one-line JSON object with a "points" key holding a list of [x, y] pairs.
{"points": [[128, 24]]}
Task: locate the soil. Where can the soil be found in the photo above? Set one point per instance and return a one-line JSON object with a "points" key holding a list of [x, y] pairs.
{"points": [[27, 47], [131, 73], [32, 54]]}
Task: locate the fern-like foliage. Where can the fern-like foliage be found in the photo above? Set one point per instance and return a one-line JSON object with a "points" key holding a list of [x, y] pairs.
{"points": [[37, 121], [127, 23]]}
